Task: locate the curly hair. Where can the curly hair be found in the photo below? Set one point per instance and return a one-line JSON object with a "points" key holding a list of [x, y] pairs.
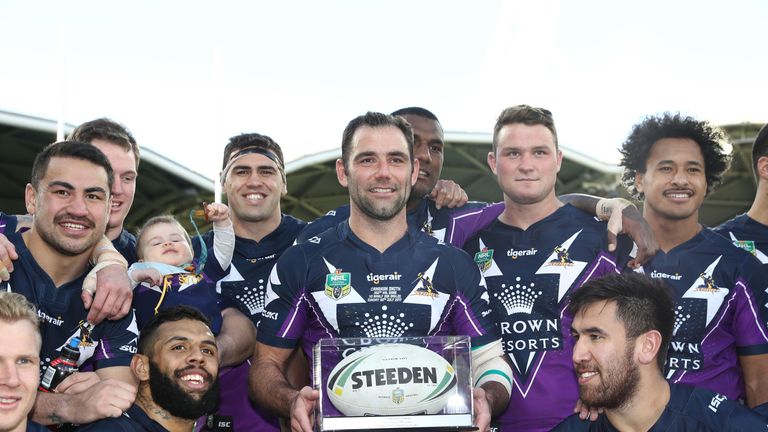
{"points": [[637, 147]]}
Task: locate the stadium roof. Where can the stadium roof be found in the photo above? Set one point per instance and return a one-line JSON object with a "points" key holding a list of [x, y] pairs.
{"points": [[164, 186]]}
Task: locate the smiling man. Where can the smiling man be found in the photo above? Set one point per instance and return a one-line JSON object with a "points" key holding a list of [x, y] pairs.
{"points": [[621, 328], [378, 168], [19, 362], [720, 340], [177, 367]]}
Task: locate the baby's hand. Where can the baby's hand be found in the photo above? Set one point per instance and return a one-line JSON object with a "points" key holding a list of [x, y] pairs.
{"points": [[217, 212], [148, 275]]}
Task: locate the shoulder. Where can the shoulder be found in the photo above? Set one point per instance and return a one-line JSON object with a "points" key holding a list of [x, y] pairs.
{"points": [[121, 424], [732, 224], [319, 225], [574, 423], [711, 410], [7, 223]]}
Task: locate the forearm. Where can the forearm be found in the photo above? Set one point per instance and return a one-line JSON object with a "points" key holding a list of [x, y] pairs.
{"points": [[497, 397], [53, 408], [583, 202], [223, 242], [269, 387], [236, 338]]}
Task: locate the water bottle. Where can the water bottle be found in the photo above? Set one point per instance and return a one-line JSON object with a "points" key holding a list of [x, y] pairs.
{"points": [[62, 366]]}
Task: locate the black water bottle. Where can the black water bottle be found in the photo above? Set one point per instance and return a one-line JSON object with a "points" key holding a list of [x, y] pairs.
{"points": [[62, 366]]}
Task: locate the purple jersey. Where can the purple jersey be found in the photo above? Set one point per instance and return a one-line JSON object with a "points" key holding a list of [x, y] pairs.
{"points": [[529, 274], [689, 409], [748, 234], [720, 311], [63, 316], [338, 286], [243, 287]]}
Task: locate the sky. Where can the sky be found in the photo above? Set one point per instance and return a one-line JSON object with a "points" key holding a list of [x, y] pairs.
{"points": [[186, 75]]}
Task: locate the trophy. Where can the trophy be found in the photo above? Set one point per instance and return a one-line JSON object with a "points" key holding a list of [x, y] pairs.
{"points": [[406, 383]]}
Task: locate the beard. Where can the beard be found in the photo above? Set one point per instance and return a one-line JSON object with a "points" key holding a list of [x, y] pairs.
{"points": [[618, 384], [171, 397], [382, 213], [59, 243]]}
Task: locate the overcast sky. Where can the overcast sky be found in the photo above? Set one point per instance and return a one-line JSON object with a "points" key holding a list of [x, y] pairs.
{"points": [[185, 75]]}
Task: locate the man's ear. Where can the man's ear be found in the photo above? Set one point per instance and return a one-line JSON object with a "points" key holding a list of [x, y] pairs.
{"points": [[29, 198], [649, 345], [140, 367], [341, 173], [762, 168], [415, 172], [492, 161], [639, 182]]}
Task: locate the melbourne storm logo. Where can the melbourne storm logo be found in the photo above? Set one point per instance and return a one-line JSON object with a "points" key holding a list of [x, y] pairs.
{"points": [[694, 312]]}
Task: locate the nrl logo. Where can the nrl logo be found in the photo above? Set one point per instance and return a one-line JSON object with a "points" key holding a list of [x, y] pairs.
{"points": [[338, 284], [484, 259], [398, 395], [747, 245], [561, 260]]}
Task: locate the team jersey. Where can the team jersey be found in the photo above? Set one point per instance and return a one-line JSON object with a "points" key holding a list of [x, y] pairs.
{"points": [[63, 316], [748, 234], [530, 274], [244, 287], [133, 420], [125, 243], [338, 286], [690, 409], [426, 217], [720, 311], [7, 223]]}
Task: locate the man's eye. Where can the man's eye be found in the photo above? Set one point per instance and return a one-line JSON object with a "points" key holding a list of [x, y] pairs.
{"points": [[436, 149], [178, 348]]}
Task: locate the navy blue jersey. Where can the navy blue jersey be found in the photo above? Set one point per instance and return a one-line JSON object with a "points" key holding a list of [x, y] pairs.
{"points": [[530, 274], [243, 287], [338, 286], [125, 243], [7, 223], [748, 234], [689, 409], [133, 420], [426, 216], [720, 311], [62, 316]]}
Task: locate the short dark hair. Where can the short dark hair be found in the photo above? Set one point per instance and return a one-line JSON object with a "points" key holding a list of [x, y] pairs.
{"points": [[642, 304], [176, 313], [243, 141], [74, 150], [644, 135], [375, 120], [155, 220], [759, 149], [107, 130], [417, 111], [526, 115]]}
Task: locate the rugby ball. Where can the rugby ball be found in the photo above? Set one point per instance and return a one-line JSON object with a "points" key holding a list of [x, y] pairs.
{"points": [[391, 379]]}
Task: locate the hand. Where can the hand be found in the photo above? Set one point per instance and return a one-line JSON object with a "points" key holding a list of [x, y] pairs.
{"points": [[302, 410], [217, 212], [448, 194], [77, 383], [482, 414], [585, 411], [148, 275], [7, 255], [113, 297], [624, 218], [107, 398]]}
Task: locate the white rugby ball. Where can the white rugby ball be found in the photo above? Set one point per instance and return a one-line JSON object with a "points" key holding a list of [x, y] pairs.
{"points": [[391, 379]]}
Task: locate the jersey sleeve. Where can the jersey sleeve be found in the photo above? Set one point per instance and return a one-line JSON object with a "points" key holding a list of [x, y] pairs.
{"points": [[118, 342], [751, 317], [464, 225], [323, 223], [7, 223], [285, 310], [472, 316]]}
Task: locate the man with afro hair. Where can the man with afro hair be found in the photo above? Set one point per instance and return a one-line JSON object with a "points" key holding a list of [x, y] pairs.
{"points": [[720, 339]]}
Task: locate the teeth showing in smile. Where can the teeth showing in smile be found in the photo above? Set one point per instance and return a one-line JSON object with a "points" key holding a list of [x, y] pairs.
{"points": [[7, 400], [679, 195], [382, 190], [73, 226], [196, 379], [587, 374], [254, 197], [423, 173]]}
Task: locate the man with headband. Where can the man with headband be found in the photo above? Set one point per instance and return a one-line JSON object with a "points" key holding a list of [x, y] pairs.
{"points": [[253, 181]]}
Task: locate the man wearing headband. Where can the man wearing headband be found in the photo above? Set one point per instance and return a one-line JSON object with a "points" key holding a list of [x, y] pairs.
{"points": [[253, 181]]}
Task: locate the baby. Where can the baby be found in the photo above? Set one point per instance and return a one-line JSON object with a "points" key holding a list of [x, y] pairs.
{"points": [[168, 275]]}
